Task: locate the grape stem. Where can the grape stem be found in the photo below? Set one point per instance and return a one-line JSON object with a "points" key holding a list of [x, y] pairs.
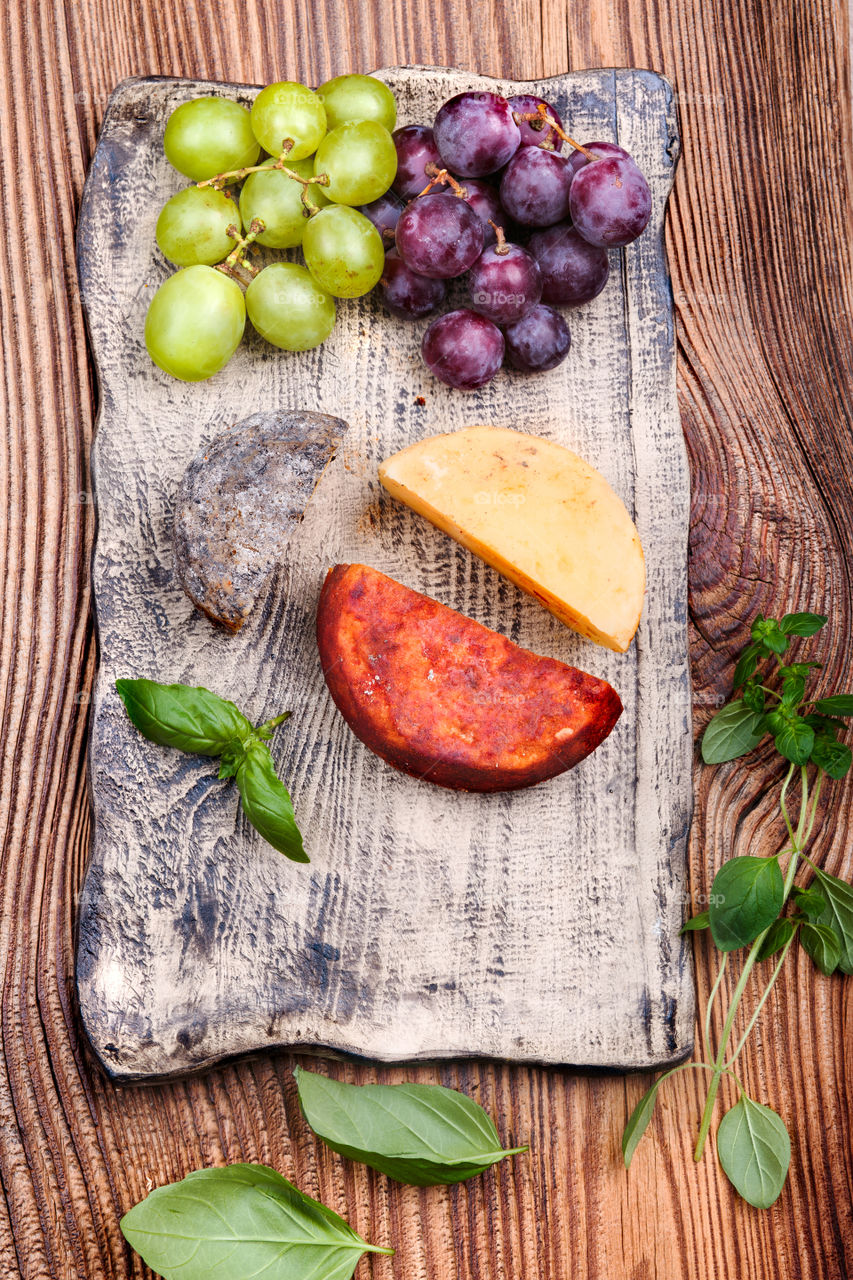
{"points": [[501, 248], [237, 257], [440, 177], [237, 175], [538, 123], [541, 113]]}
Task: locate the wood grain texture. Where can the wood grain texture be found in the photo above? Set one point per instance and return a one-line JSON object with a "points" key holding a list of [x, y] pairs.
{"points": [[759, 238], [537, 926]]}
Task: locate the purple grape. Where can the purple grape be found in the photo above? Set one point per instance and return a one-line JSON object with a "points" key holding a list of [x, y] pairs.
{"points": [[439, 236], [524, 104], [463, 349], [538, 341], [485, 202], [407, 295], [416, 149], [577, 160], [504, 283], [610, 202], [384, 213], [476, 134], [535, 187], [573, 270]]}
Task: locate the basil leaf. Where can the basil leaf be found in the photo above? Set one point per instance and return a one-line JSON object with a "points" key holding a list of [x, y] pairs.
{"points": [[267, 803], [746, 664], [821, 942], [638, 1123], [839, 704], [838, 915], [755, 1151], [753, 698], [802, 624], [420, 1134], [746, 897], [769, 635], [700, 921], [183, 716], [241, 1221], [834, 758], [793, 688], [733, 732], [810, 902], [778, 936], [794, 739]]}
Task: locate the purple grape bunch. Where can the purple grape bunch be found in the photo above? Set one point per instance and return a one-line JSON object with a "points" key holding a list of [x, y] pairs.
{"points": [[490, 172]]}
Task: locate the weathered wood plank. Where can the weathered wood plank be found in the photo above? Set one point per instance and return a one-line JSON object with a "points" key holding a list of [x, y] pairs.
{"points": [[540, 926]]}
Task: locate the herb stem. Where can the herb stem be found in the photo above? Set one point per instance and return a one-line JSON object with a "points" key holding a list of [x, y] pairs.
{"points": [[797, 841], [767, 990], [712, 997]]}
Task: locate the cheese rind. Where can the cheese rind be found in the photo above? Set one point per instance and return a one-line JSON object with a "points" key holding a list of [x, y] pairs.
{"points": [[538, 514]]}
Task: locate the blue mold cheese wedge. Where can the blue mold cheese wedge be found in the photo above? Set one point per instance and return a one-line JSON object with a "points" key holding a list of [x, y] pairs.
{"points": [[538, 514]]}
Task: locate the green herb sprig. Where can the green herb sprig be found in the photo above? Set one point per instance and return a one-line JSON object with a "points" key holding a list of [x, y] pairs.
{"points": [[194, 720], [755, 902]]}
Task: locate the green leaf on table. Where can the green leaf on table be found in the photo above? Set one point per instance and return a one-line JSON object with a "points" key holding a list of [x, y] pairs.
{"points": [[838, 915], [778, 936], [811, 903], [839, 704], [802, 624], [793, 688], [733, 732], [753, 698], [183, 716], [700, 921], [769, 636], [833, 757], [267, 803], [754, 1149], [794, 738], [746, 897], [241, 1221], [746, 665], [821, 942], [420, 1134], [638, 1123]]}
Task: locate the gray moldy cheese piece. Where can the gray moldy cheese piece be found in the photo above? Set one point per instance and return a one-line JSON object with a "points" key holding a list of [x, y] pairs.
{"points": [[239, 502]]}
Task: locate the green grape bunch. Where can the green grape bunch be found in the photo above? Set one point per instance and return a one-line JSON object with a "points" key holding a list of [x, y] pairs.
{"points": [[291, 173]]}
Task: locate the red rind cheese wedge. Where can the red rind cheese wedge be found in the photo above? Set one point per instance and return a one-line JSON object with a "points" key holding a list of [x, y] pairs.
{"points": [[445, 699]]}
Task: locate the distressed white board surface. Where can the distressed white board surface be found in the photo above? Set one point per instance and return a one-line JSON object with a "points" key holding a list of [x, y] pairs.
{"points": [[537, 926]]}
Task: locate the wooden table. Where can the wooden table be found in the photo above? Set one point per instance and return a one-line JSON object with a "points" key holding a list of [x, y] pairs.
{"points": [[759, 243]]}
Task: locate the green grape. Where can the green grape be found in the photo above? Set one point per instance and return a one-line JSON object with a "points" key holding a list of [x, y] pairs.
{"points": [[288, 307], [348, 99], [193, 226], [360, 160], [276, 199], [209, 136], [195, 323], [343, 251], [288, 111]]}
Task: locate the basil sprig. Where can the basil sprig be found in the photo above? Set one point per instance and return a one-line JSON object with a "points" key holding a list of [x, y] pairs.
{"points": [[754, 901], [194, 720], [239, 1221], [420, 1134]]}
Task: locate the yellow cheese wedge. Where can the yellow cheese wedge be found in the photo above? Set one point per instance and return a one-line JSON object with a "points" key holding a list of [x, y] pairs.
{"points": [[538, 514]]}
